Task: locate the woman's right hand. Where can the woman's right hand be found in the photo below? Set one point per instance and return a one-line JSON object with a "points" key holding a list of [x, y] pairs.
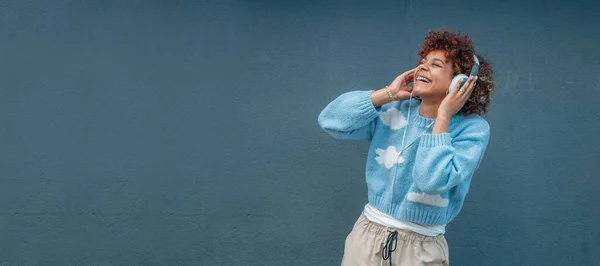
{"points": [[399, 87]]}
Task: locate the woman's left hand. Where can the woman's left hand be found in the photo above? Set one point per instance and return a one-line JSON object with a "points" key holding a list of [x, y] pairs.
{"points": [[457, 98]]}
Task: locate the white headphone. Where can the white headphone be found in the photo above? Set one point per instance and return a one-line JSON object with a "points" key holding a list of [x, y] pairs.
{"points": [[462, 78]]}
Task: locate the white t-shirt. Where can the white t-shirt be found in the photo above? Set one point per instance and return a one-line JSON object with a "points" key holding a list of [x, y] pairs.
{"points": [[377, 216]]}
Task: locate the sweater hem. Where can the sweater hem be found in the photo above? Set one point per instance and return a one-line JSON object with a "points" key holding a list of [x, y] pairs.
{"points": [[419, 216]]}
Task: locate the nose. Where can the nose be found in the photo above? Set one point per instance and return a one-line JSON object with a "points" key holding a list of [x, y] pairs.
{"points": [[423, 67]]}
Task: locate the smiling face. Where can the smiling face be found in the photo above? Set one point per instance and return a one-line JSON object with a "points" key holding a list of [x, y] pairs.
{"points": [[433, 75]]}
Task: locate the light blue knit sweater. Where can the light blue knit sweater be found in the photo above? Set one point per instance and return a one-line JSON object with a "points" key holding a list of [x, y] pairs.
{"points": [[432, 176]]}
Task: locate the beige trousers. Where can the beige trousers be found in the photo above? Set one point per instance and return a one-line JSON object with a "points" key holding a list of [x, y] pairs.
{"points": [[364, 245]]}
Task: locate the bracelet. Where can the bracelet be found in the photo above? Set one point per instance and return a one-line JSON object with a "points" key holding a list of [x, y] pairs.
{"points": [[389, 93]]}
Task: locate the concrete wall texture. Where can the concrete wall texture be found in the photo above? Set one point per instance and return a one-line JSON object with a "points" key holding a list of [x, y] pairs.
{"points": [[185, 132]]}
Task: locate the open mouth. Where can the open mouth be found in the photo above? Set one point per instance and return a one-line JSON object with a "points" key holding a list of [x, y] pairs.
{"points": [[423, 79]]}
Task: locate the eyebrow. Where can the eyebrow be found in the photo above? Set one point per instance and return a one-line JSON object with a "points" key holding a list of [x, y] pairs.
{"points": [[436, 59]]}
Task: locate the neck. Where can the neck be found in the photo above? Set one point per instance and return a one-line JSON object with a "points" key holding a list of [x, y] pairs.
{"points": [[429, 108]]}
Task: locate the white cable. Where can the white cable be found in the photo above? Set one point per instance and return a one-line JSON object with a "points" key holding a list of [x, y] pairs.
{"points": [[402, 148]]}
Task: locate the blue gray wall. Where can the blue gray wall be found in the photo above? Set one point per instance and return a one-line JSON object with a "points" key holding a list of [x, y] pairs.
{"points": [[185, 132]]}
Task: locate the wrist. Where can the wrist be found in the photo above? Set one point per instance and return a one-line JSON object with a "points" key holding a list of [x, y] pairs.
{"points": [[443, 116], [390, 94], [442, 123], [379, 97]]}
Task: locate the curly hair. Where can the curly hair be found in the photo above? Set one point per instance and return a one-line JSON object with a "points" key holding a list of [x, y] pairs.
{"points": [[459, 50]]}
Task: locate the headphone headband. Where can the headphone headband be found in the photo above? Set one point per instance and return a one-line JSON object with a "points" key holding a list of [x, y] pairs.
{"points": [[475, 68]]}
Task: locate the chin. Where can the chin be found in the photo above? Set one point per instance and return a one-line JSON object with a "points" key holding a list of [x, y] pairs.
{"points": [[427, 92], [416, 93], [420, 91]]}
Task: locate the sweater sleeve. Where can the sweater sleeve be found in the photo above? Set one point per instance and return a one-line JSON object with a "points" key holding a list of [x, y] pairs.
{"points": [[442, 162], [350, 116]]}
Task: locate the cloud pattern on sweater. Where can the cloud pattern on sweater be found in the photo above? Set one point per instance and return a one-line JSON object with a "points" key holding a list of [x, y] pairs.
{"points": [[393, 118]]}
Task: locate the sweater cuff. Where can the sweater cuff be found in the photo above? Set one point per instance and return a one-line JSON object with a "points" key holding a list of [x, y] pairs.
{"points": [[365, 106], [434, 140]]}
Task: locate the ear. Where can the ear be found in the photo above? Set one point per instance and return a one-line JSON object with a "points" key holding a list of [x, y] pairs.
{"points": [[456, 69]]}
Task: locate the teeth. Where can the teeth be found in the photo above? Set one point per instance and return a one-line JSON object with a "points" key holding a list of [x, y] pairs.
{"points": [[422, 79]]}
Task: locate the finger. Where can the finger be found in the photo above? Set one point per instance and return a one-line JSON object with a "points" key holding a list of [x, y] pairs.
{"points": [[464, 87], [408, 74], [406, 77], [456, 88], [409, 78], [468, 88], [473, 83]]}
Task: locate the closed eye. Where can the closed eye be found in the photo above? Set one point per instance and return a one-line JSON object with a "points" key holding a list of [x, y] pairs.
{"points": [[424, 60]]}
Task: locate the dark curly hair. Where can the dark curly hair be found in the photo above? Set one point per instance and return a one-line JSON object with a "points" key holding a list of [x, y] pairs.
{"points": [[459, 50]]}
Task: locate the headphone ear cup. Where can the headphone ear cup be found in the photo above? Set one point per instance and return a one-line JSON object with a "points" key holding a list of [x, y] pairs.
{"points": [[458, 78]]}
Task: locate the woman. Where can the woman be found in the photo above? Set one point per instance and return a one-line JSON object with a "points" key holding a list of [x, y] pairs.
{"points": [[423, 151]]}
